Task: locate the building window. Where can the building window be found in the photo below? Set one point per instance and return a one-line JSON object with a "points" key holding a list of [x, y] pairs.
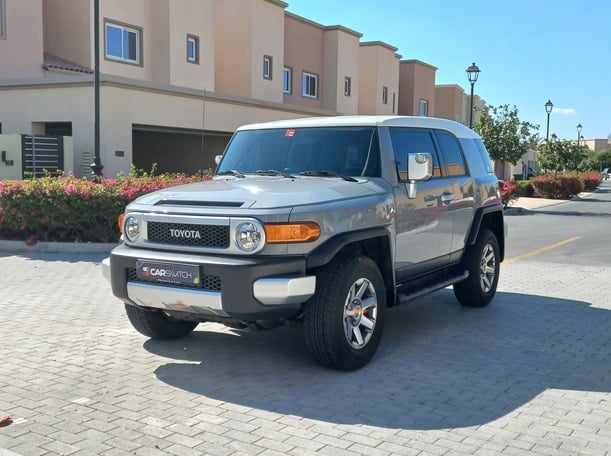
{"points": [[287, 80], [2, 20], [267, 67], [423, 108], [192, 49], [309, 85], [347, 86], [123, 43], [385, 95]]}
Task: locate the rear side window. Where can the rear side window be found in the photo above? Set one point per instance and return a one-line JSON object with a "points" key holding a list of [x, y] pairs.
{"points": [[407, 141], [452, 154], [483, 153]]}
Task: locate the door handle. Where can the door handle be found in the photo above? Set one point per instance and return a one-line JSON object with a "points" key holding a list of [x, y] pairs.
{"points": [[447, 197]]}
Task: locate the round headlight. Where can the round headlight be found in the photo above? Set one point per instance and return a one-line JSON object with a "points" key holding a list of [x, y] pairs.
{"points": [[131, 228], [247, 237]]}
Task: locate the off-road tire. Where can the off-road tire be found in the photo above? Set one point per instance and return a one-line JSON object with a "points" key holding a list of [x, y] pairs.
{"points": [[482, 260], [350, 303], [157, 324]]}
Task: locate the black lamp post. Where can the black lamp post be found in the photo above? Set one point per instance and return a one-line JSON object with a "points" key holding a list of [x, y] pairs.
{"points": [[548, 109], [96, 166], [579, 127], [472, 74]]}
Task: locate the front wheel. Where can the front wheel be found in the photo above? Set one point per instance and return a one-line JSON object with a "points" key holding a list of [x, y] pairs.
{"points": [[482, 262], [156, 324], [344, 320]]}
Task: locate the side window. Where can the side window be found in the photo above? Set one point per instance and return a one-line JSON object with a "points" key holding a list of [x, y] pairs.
{"points": [[452, 155], [407, 141]]}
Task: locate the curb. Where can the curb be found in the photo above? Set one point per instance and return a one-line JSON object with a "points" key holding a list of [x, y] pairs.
{"points": [[20, 247]]}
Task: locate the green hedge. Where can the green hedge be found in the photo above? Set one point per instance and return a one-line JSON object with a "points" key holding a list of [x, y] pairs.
{"points": [[563, 186], [67, 209]]}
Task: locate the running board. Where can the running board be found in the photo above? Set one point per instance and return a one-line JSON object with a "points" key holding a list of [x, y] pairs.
{"points": [[434, 287]]}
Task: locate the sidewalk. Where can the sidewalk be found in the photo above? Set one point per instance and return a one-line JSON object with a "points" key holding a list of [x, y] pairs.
{"points": [[536, 203]]}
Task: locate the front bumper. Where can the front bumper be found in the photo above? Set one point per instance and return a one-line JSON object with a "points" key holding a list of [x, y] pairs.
{"points": [[249, 288]]}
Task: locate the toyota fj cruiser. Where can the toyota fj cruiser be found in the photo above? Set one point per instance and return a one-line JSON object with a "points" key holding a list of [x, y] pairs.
{"points": [[324, 222]]}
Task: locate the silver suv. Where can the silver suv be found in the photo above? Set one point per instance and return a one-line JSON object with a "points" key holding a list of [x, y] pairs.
{"points": [[322, 222]]}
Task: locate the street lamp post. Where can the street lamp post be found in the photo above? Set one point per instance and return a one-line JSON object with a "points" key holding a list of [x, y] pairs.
{"points": [[472, 75], [96, 166], [579, 127], [548, 109]]}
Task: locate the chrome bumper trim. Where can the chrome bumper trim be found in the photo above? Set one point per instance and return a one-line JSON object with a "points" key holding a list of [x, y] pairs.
{"points": [[106, 269], [170, 298], [283, 290]]}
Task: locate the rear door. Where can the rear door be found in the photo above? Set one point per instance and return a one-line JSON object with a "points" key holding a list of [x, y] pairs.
{"points": [[461, 205]]}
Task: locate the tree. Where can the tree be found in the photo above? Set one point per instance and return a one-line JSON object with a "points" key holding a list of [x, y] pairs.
{"points": [[506, 137], [565, 156], [603, 159]]}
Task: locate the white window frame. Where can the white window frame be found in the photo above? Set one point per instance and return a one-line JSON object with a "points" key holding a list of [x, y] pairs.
{"points": [[423, 104], [2, 20], [268, 63], [123, 28], [194, 40], [287, 80], [384, 95], [347, 86], [305, 84]]}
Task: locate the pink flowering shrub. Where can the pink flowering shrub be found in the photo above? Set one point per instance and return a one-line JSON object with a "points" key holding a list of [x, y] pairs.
{"points": [[74, 210]]}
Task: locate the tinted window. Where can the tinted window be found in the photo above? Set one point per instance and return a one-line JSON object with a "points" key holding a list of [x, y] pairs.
{"points": [[450, 150], [345, 150], [407, 141]]}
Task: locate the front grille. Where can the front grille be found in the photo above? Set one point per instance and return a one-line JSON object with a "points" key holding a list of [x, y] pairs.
{"points": [[207, 282], [186, 234]]}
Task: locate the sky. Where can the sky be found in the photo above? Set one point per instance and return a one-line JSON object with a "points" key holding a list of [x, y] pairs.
{"points": [[528, 51]]}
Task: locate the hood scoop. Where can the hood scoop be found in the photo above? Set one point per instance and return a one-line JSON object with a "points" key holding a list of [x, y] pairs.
{"points": [[196, 203]]}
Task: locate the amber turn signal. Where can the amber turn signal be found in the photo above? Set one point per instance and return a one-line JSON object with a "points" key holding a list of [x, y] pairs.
{"points": [[291, 232], [120, 220]]}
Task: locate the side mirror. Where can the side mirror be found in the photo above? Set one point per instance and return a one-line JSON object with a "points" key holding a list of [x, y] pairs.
{"points": [[420, 168], [217, 159]]}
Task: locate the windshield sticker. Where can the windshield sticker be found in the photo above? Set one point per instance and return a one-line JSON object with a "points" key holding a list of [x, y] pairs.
{"points": [[289, 133]]}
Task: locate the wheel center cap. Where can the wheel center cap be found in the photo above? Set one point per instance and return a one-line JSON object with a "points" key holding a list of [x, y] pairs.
{"points": [[355, 310]]}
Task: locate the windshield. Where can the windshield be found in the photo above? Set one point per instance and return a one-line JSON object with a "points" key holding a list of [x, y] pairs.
{"points": [[349, 151]]}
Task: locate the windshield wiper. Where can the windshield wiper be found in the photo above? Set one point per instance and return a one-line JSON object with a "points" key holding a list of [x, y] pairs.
{"points": [[272, 172], [327, 173], [231, 172]]}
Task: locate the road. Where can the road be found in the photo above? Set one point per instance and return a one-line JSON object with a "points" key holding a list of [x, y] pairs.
{"points": [[530, 374]]}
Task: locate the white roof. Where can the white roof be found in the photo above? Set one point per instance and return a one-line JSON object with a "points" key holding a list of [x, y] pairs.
{"points": [[456, 128]]}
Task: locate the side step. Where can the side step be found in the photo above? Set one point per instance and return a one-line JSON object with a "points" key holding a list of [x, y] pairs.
{"points": [[411, 293]]}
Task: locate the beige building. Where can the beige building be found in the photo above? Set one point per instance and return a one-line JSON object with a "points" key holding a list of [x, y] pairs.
{"points": [[177, 77], [420, 78], [598, 145], [453, 103]]}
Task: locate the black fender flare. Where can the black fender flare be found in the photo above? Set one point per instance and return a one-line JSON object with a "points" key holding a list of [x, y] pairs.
{"points": [[323, 254], [479, 215]]}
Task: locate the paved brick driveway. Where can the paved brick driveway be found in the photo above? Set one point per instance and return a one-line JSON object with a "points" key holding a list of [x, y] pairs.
{"points": [[529, 374]]}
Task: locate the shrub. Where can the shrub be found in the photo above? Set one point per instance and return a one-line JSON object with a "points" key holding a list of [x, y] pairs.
{"points": [[510, 194], [73, 210], [560, 187], [590, 181], [524, 189]]}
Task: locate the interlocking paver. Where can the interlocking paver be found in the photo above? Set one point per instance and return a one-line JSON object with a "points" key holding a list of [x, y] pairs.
{"points": [[529, 374]]}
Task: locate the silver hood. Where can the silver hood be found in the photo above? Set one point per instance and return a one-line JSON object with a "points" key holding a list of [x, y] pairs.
{"points": [[257, 193]]}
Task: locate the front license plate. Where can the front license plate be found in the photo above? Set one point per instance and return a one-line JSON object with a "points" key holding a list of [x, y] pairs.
{"points": [[156, 271]]}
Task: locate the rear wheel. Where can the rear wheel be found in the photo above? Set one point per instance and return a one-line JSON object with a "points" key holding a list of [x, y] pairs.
{"points": [[156, 324], [482, 262], [344, 320]]}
